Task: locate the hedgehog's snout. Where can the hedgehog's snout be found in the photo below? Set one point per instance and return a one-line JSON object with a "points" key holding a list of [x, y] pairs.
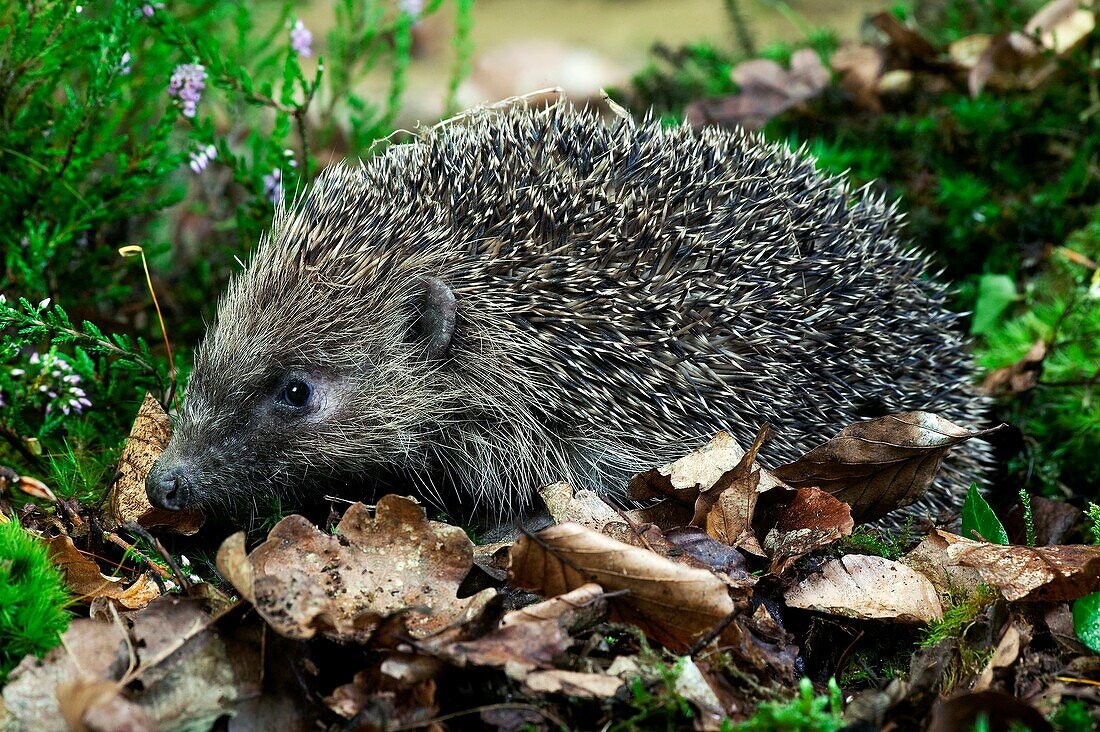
{"points": [[170, 487]]}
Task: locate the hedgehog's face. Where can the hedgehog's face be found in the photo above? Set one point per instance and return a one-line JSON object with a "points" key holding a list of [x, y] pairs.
{"points": [[331, 410]]}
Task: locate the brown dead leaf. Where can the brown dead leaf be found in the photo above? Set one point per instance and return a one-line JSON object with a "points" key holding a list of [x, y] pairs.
{"points": [[881, 464], [1061, 24], [1015, 637], [585, 508], [860, 68], [305, 581], [744, 480], [94, 705], [811, 520], [1001, 712], [1019, 377], [1053, 521], [685, 478], [931, 559], [127, 500], [868, 588], [1032, 574], [86, 582], [573, 683], [766, 90], [672, 603], [905, 42]]}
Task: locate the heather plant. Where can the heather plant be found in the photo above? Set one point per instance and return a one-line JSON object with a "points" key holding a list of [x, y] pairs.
{"points": [[177, 126]]}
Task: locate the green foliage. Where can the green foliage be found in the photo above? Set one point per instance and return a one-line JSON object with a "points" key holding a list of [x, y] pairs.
{"points": [[32, 598], [878, 542], [996, 293], [178, 128], [807, 712], [1086, 620], [966, 607], [1072, 715], [978, 519], [653, 695], [1093, 514]]}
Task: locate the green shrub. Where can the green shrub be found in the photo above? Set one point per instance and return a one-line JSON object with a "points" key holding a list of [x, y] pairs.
{"points": [[176, 127], [805, 713], [32, 598]]}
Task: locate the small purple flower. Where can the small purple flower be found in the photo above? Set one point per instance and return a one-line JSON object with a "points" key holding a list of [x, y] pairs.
{"points": [[301, 39], [187, 83], [201, 158], [273, 185], [411, 8], [150, 9], [125, 63]]}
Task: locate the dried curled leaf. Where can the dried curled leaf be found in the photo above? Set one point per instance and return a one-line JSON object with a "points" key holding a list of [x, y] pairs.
{"points": [[868, 588], [127, 500], [1032, 574], [879, 465], [304, 581], [86, 582], [672, 603], [811, 520]]}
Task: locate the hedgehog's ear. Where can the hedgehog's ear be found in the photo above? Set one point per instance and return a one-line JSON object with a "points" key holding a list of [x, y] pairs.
{"points": [[436, 321]]}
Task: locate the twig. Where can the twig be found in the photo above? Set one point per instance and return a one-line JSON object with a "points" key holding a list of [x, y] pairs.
{"points": [[140, 530]]}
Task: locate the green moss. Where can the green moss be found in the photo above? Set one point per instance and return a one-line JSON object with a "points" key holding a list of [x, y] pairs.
{"points": [[807, 712], [32, 598]]}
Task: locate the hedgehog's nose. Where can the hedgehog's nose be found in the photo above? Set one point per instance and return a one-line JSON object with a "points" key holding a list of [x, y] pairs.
{"points": [[168, 488]]}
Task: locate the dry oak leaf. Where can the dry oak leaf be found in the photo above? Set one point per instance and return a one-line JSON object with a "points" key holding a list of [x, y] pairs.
{"points": [[1018, 377], [685, 478], [1062, 24], [931, 559], [1032, 574], [586, 508], [304, 581], [672, 603], [86, 582], [127, 500], [811, 520], [881, 464], [527, 639], [868, 588]]}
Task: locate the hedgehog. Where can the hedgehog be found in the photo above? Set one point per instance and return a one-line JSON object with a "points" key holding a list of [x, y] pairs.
{"points": [[524, 296]]}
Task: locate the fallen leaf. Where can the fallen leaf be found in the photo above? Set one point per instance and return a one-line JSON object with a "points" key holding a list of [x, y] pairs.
{"points": [[673, 604], [766, 90], [1032, 574], [1061, 24], [1019, 377], [881, 464], [931, 559], [585, 508], [1012, 641], [127, 500], [905, 42], [305, 581], [573, 683], [1053, 521], [868, 588], [86, 582], [685, 478], [810, 520], [860, 68]]}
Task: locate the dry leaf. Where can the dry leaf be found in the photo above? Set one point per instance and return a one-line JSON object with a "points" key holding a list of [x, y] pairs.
{"points": [[931, 559], [1032, 574], [904, 41], [811, 520], [860, 68], [685, 478], [573, 683], [881, 464], [1062, 24], [868, 588], [127, 500], [304, 580], [86, 582], [672, 603], [1019, 377], [585, 508], [1012, 641], [1000, 711]]}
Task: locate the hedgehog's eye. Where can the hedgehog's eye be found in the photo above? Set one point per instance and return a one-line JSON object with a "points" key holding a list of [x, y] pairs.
{"points": [[296, 393]]}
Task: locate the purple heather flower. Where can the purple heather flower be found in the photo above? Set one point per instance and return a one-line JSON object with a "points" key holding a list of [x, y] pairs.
{"points": [[150, 9], [125, 63], [301, 39], [411, 8], [273, 185], [187, 83], [201, 158]]}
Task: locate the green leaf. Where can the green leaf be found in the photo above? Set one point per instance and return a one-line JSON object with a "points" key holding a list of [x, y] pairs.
{"points": [[1086, 620], [978, 517], [995, 294]]}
